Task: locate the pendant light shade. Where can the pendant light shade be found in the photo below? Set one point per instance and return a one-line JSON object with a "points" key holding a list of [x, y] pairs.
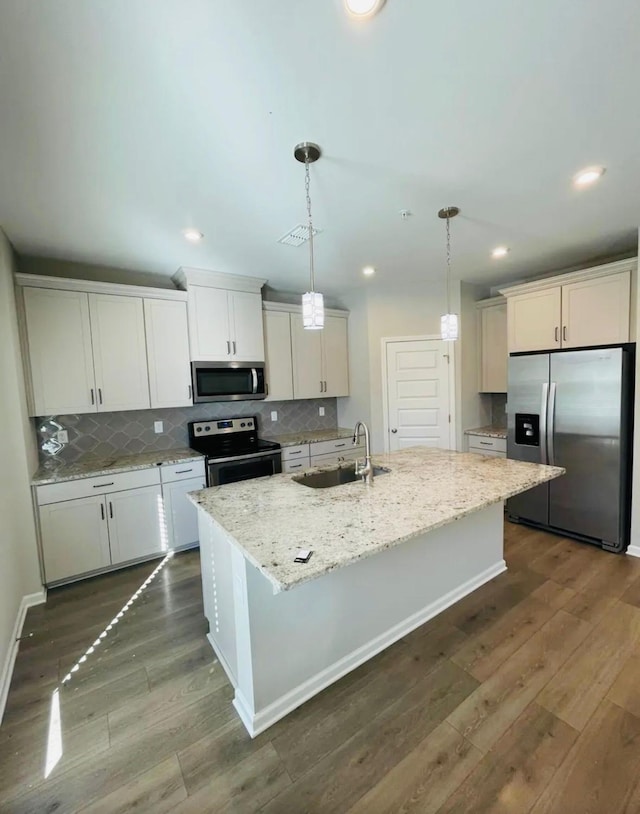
{"points": [[313, 311], [448, 321], [312, 302]]}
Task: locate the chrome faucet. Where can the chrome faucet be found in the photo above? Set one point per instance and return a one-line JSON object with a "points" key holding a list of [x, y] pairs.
{"points": [[365, 471]]}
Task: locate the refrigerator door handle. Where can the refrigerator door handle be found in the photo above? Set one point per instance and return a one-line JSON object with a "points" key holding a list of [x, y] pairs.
{"points": [[544, 404], [551, 423]]}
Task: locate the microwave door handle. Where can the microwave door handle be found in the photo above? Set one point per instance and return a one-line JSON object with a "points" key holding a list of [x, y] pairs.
{"points": [[254, 378]]}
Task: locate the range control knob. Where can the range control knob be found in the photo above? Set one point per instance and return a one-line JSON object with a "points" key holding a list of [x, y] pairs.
{"points": [[198, 429], [243, 424], [207, 428]]}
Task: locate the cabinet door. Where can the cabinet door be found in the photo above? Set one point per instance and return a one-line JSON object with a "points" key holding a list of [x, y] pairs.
{"points": [[181, 515], [596, 312], [119, 352], [165, 324], [533, 320], [277, 348], [306, 347], [59, 337], [245, 315], [335, 357], [493, 327], [209, 329], [74, 536], [137, 523]]}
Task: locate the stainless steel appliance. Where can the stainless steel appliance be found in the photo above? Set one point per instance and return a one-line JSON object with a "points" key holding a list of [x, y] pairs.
{"points": [[574, 409], [228, 381], [233, 450]]}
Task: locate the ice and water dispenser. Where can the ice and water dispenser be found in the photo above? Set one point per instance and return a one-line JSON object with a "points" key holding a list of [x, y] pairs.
{"points": [[528, 429]]}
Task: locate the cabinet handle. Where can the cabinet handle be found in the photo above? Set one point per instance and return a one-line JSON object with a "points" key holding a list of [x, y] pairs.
{"points": [[101, 485], [296, 452], [486, 443], [100, 394], [556, 333], [93, 398], [234, 347], [228, 347], [337, 446], [111, 510], [183, 471], [102, 510], [266, 388], [295, 466], [189, 392], [564, 332]]}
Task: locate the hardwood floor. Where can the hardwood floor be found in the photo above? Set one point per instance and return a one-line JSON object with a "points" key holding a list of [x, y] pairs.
{"points": [[524, 697]]}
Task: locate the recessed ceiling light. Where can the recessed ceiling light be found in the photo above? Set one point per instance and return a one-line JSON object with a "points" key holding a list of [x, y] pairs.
{"points": [[588, 176], [368, 271], [193, 235], [500, 251], [361, 9]]}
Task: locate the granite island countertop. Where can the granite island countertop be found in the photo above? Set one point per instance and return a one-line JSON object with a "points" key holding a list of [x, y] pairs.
{"points": [[488, 432], [294, 439], [270, 518], [89, 467]]}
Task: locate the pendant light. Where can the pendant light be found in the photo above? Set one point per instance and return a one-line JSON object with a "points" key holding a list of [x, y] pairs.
{"points": [[312, 301], [449, 321]]}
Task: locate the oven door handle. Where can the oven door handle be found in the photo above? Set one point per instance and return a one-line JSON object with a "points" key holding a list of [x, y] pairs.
{"points": [[251, 456], [254, 378]]}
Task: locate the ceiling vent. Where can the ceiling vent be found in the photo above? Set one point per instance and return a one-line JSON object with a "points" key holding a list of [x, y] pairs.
{"points": [[298, 236]]}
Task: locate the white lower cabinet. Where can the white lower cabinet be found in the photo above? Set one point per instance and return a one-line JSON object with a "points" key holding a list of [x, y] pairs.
{"points": [[75, 538], [130, 516], [320, 453], [486, 445]]}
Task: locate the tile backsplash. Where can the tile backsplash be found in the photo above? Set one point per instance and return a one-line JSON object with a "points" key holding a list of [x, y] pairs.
{"points": [[105, 434], [499, 409]]}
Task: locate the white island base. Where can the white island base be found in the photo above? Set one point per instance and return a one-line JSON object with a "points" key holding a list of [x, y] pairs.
{"points": [[281, 648]]}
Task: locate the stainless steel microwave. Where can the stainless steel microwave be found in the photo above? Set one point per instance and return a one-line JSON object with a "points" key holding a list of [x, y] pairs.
{"points": [[227, 381]]}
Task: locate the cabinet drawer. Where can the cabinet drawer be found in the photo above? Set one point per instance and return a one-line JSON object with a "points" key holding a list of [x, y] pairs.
{"points": [[338, 457], [296, 464], [84, 487], [324, 447], [290, 453], [490, 453], [481, 443], [184, 471]]}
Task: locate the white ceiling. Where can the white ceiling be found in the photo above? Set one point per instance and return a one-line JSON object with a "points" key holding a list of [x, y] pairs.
{"points": [[123, 121]]}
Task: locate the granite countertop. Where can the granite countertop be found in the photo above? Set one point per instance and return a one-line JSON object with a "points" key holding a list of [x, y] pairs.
{"points": [[293, 439], [90, 467], [270, 518], [489, 432]]}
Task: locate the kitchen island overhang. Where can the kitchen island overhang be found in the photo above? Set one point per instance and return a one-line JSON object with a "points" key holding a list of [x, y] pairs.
{"points": [[386, 559]]}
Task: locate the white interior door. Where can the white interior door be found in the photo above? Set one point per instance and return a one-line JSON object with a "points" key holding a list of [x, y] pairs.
{"points": [[418, 394]]}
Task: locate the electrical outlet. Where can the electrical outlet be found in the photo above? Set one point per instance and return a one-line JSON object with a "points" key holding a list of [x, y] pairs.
{"points": [[320, 410], [63, 436], [158, 426], [274, 415]]}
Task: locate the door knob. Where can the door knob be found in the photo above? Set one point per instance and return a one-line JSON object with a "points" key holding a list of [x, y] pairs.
{"points": [[394, 430]]}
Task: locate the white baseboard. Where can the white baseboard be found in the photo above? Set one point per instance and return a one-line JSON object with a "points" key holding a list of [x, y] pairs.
{"points": [[633, 551], [28, 601], [257, 722]]}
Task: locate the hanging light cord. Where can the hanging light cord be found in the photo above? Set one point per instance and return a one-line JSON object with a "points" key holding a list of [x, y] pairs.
{"points": [[448, 265], [307, 182]]}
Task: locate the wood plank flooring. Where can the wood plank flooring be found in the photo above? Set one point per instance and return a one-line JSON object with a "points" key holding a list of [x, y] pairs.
{"points": [[524, 697]]}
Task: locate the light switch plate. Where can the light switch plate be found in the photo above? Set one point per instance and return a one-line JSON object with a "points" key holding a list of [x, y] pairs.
{"points": [[320, 410], [63, 436], [158, 426], [274, 415]]}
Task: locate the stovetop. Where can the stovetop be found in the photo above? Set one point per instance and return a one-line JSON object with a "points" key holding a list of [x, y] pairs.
{"points": [[226, 438]]}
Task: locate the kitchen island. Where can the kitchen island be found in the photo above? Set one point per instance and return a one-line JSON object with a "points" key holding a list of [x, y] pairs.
{"points": [[386, 558]]}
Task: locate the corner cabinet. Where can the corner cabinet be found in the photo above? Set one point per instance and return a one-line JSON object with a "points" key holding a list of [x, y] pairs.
{"points": [[575, 310], [492, 335], [97, 347], [225, 316], [302, 364]]}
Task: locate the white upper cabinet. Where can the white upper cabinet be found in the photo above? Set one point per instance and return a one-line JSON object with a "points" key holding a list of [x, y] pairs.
{"points": [[167, 335], [225, 316], [576, 310], [492, 329], [277, 350], [119, 352], [320, 358], [59, 351]]}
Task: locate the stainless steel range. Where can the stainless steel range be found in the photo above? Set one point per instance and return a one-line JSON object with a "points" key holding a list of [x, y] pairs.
{"points": [[233, 450]]}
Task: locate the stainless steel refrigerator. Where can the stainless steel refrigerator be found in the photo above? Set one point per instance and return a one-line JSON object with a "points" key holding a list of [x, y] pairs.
{"points": [[574, 408]]}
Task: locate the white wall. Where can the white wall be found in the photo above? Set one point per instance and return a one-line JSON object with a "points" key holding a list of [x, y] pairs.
{"points": [[635, 493], [19, 570]]}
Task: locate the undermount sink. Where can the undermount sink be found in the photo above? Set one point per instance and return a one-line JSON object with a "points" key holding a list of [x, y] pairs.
{"points": [[334, 477]]}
